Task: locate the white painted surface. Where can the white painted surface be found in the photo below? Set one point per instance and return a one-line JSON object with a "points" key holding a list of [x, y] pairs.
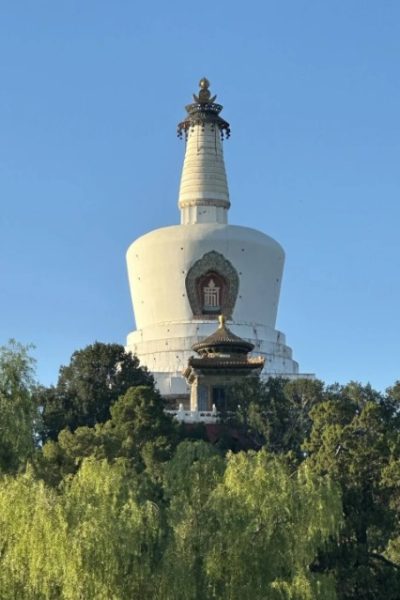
{"points": [[194, 416], [166, 327], [203, 193], [159, 261]]}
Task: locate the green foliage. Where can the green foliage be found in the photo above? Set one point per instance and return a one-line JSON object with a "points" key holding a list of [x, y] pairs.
{"points": [[33, 540], [138, 430], [190, 478], [112, 507], [87, 388], [115, 536], [270, 524], [94, 540], [144, 431], [355, 439], [351, 433], [275, 413], [19, 416], [245, 527]]}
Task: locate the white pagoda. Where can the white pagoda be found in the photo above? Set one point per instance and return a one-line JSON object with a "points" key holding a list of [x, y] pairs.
{"points": [[184, 276]]}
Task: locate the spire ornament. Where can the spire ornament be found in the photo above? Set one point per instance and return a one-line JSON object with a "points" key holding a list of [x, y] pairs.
{"points": [[204, 96], [221, 321], [204, 110]]}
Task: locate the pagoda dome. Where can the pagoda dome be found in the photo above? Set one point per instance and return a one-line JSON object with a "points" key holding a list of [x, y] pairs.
{"points": [[183, 277]]}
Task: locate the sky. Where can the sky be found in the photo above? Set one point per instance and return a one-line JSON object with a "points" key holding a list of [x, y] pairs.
{"points": [[91, 92]]}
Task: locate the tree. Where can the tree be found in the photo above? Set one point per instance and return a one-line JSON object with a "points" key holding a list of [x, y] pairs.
{"points": [[351, 433], [143, 430], [355, 438], [19, 415], [138, 430], [95, 539], [87, 388], [275, 413], [271, 524], [245, 527], [190, 478]]}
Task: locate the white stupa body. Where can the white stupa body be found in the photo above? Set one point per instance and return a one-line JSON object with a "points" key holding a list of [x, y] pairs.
{"points": [[182, 277]]}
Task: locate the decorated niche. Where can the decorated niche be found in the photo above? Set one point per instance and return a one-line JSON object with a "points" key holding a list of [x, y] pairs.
{"points": [[212, 286]]}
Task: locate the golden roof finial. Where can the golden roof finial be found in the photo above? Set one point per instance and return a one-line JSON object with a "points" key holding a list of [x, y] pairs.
{"points": [[221, 320], [204, 110], [204, 96], [204, 83]]}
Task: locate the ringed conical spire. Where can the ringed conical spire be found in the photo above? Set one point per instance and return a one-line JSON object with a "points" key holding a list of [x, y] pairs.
{"points": [[203, 194]]}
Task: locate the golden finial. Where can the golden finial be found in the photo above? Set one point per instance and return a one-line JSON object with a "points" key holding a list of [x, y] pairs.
{"points": [[221, 320], [204, 84], [203, 110], [204, 96]]}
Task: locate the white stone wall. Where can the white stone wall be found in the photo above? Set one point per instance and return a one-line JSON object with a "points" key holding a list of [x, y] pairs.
{"points": [[167, 362], [158, 264], [171, 343], [203, 193], [159, 261]]}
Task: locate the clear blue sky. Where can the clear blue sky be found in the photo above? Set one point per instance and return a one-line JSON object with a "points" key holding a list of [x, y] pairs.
{"points": [[91, 92]]}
